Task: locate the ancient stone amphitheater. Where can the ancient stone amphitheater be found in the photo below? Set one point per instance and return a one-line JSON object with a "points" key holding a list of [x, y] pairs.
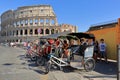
{"points": [[29, 23]]}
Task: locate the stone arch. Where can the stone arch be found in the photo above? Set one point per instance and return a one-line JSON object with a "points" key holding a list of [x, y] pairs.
{"points": [[31, 31], [36, 31], [47, 31], [16, 32], [16, 40], [57, 31], [52, 31], [21, 32], [26, 32], [21, 40], [42, 31]]}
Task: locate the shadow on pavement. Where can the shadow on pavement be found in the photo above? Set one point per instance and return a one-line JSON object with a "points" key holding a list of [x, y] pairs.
{"points": [[22, 57], [68, 69], [109, 68], [39, 71], [8, 64]]}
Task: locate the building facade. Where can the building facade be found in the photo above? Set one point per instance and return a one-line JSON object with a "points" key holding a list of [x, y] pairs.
{"points": [[30, 22], [110, 32]]}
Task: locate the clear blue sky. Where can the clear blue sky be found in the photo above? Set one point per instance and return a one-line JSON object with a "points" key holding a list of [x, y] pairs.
{"points": [[82, 13]]}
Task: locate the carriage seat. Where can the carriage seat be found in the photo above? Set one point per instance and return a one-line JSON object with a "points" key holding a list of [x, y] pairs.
{"points": [[78, 49]]}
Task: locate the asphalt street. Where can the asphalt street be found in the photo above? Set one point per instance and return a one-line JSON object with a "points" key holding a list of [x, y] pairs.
{"points": [[14, 66]]}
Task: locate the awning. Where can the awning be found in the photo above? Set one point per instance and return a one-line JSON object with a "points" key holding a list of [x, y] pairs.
{"points": [[54, 36]]}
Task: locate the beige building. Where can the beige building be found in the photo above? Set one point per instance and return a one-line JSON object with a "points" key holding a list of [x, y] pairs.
{"points": [[30, 22]]}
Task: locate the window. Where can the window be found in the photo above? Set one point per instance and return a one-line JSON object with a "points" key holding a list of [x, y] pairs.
{"points": [[53, 22], [47, 20], [18, 23], [14, 24], [26, 22], [41, 20], [31, 21], [22, 23], [36, 21]]}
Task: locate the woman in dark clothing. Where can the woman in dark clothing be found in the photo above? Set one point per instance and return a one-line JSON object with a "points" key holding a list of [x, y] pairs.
{"points": [[96, 49]]}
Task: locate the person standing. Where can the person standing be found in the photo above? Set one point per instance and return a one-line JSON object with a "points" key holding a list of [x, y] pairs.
{"points": [[102, 49], [96, 48]]}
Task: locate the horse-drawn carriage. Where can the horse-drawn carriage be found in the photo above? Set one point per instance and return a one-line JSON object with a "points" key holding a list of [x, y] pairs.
{"points": [[79, 55]]}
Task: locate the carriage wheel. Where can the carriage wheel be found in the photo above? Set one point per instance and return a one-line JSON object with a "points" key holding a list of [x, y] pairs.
{"points": [[41, 61], [33, 58], [47, 67], [27, 55], [89, 64]]}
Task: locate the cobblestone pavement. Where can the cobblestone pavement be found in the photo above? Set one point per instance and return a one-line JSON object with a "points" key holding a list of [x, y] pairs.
{"points": [[14, 66]]}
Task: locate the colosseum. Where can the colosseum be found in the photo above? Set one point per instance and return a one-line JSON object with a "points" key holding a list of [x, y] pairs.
{"points": [[30, 22]]}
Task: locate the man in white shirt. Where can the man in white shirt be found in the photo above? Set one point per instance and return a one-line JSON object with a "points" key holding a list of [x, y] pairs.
{"points": [[102, 49]]}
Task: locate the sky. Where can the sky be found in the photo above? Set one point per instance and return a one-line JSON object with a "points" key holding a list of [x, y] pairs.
{"points": [[80, 13]]}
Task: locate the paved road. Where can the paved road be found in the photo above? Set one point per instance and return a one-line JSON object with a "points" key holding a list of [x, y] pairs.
{"points": [[13, 66]]}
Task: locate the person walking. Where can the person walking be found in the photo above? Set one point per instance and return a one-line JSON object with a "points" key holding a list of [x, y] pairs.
{"points": [[102, 49]]}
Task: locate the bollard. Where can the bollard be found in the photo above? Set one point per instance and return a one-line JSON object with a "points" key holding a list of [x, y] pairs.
{"points": [[118, 75]]}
